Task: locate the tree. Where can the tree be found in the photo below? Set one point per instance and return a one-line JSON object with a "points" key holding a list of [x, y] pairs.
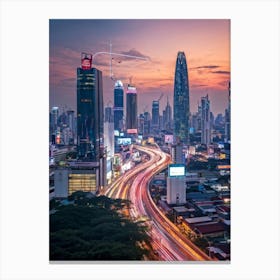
{"points": [[93, 229]]}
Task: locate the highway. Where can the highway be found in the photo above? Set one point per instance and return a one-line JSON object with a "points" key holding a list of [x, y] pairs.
{"points": [[167, 240]]}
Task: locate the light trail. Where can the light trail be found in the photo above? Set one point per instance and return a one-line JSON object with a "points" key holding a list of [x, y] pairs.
{"points": [[167, 240]]}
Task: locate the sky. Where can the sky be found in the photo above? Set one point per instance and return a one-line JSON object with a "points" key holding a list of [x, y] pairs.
{"points": [[206, 44]]}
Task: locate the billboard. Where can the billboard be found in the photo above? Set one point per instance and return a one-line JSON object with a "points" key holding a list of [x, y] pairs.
{"points": [[176, 170], [168, 139], [124, 141], [131, 131]]}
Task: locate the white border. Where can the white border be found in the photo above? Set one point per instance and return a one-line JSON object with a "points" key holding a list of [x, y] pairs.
{"points": [[24, 138]]}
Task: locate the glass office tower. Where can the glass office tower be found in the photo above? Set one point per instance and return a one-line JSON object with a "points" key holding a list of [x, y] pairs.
{"points": [[118, 106], [181, 100], [89, 110]]}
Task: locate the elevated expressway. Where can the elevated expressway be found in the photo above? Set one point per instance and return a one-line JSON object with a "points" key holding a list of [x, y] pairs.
{"points": [[167, 240]]}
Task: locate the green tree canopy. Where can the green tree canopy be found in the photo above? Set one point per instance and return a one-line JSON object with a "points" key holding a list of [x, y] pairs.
{"points": [[94, 228]]}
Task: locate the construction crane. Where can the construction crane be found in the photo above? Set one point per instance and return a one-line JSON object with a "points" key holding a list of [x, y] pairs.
{"points": [[117, 54]]}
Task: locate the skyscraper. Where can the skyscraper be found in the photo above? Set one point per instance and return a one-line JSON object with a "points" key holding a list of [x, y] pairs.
{"points": [[89, 110], [131, 107], [167, 116], [155, 115], [54, 119], [147, 123], [227, 118], [71, 125], [181, 100], [118, 106], [109, 117], [205, 121]]}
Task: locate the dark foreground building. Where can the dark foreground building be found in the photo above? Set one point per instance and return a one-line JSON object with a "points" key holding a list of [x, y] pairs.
{"points": [[89, 110], [118, 106], [131, 107]]}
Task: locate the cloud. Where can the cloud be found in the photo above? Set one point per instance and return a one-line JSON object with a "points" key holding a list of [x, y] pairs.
{"points": [[221, 72], [133, 52], [198, 85], [205, 67]]}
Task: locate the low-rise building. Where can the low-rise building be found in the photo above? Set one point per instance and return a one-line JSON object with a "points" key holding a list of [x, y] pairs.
{"points": [[76, 176], [209, 230]]}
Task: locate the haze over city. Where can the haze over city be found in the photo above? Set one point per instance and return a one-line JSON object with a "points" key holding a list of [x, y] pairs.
{"points": [[206, 44]]}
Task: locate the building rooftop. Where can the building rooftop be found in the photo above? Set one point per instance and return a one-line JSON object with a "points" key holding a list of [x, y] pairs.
{"points": [[209, 228], [223, 208], [198, 220], [83, 164], [179, 209]]}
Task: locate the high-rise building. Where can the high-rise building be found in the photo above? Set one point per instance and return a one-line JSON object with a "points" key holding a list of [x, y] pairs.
{"points": [[71, 119], [71, 125], [205, 121], [89, 110], [147, 123], [181, 100], [141, 121], [131, 107], [118, 106], [155, 115], [177, 154], [109, 116], [109, 148], [54, 120], [167, 117], [227, 118], [176, 184]]}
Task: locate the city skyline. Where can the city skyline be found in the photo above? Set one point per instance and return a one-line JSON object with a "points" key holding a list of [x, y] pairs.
{"points": [[205, 43]]}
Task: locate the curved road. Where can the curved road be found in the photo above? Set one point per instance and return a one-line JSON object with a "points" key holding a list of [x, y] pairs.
{"points": [[167, 240]]}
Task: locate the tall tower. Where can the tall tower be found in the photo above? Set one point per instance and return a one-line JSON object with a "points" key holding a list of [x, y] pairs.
{"points": [[109, 117], [54, 119], [131, 107], [118, 106], [167, 116], [155, 115], [89, 110], [181, 100], [227, 118], [205, 121]]}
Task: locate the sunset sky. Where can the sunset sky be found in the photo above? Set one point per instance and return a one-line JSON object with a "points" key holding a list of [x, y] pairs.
{"points": [[206, 44]]}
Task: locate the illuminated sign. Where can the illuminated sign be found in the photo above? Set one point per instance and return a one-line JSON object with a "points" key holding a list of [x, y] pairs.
{"points": [[132, 131], [86, 61], [86, 64], [176, 170], [220, 167], [124, 141], [168, 139], [116, 133]]}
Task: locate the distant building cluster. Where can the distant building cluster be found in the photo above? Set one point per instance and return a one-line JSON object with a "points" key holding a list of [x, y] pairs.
{"points": [[101, 135]]}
